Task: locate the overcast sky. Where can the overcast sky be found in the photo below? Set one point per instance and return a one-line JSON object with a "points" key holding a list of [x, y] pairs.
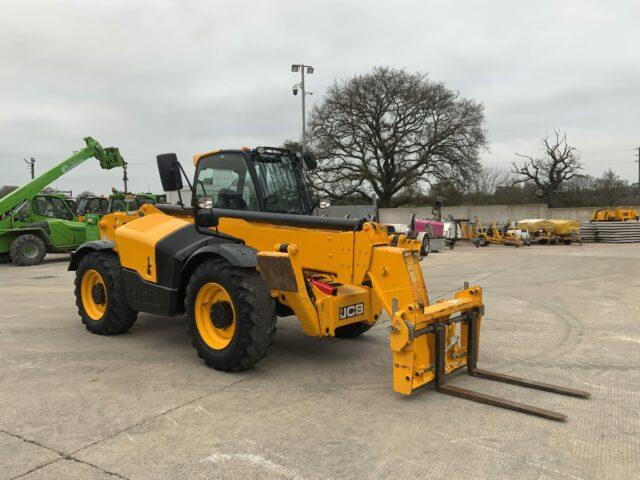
{"points": [[191, 76]]}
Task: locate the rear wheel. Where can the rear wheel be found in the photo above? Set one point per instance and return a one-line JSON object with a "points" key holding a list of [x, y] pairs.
{"points": [[353, 330], [27, 250], [231, 315], [100, 295], [5, 258]]}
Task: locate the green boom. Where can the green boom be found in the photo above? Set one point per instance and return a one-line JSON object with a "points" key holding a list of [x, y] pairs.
{"points": [[108, 157], [25, 235]]}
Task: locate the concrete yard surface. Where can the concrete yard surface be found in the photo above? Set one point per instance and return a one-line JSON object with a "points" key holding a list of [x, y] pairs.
{"points": [[143, 405]]}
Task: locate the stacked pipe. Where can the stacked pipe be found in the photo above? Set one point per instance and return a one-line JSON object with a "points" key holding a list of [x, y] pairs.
{"points": [[610, 232]]}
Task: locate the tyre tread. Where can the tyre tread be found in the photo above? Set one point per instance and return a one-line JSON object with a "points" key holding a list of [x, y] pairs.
{"points": [[119, 316], [253, 301], [16, 256]]}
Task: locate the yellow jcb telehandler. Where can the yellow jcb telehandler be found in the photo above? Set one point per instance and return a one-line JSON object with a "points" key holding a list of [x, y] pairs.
{"points": [[248, 250]]}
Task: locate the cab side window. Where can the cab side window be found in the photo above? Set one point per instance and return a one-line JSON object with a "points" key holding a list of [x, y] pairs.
{"points": [[51, 207], [225, 178], [117, 205]]}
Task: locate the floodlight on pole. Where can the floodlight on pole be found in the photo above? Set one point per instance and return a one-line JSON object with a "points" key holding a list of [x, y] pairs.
{"points": [[300, 86], [638, 162]]}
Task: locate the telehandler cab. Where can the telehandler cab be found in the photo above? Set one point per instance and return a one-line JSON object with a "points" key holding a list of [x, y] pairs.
{"points": [[248, 250]]}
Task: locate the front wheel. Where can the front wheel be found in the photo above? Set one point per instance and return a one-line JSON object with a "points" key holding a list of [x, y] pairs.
{"points": [[27, 250], [230, 315]]}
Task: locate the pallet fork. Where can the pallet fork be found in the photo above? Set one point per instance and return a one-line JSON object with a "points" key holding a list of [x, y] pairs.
{"points": [[471, 320]]}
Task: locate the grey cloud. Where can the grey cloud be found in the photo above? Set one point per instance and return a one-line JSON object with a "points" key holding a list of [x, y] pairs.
{"points": [[152, 77]]}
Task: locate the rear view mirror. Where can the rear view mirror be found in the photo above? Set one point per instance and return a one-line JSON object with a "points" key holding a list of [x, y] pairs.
{"points": [[310, 161], [169, 170]]}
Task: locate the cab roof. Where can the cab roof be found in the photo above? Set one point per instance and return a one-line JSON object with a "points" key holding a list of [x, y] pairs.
{"points": [[272, 150]]}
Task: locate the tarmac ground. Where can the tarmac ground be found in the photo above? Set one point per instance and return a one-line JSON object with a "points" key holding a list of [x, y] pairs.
{"points": [[143, 405]]}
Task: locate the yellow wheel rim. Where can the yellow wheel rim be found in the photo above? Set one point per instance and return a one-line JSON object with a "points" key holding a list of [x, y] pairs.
{"points": [[91, 283], [215, 337]]}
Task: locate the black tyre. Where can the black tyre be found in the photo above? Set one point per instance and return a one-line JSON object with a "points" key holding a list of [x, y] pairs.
{"points": [[482, 242], [5, 258], [426, 246], [100, 295], [230, 315], [27, 249], [353, 330]]}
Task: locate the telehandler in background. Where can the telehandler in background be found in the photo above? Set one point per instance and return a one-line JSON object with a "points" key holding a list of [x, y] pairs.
{"points": [[248, 249], [95, 207], [617, 214], [32, 224], [129, 202]]}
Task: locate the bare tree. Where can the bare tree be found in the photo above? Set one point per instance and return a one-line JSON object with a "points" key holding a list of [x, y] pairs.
{"points": [[86, 193], [7, 189], [610, 188], [486, 181], [388, 131], [559, 164]]}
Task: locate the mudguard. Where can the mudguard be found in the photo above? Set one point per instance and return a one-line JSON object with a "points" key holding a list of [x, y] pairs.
{"points": [[236, 254], [167, 298], [87, 247]]}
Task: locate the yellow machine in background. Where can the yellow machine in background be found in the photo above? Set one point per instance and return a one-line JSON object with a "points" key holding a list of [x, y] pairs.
{"points": [[465, 230], [566, 231], [540, 230], [249, 250], [496, 236], [551, 231], [618, 214]]}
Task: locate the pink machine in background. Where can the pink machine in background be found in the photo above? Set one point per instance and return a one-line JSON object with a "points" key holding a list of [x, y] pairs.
{"points": [[431, 234], [433, 227]]}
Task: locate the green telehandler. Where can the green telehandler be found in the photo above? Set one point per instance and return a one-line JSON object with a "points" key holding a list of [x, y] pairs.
{"points": [[129, 202], [33, 223], [92, 209]]}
